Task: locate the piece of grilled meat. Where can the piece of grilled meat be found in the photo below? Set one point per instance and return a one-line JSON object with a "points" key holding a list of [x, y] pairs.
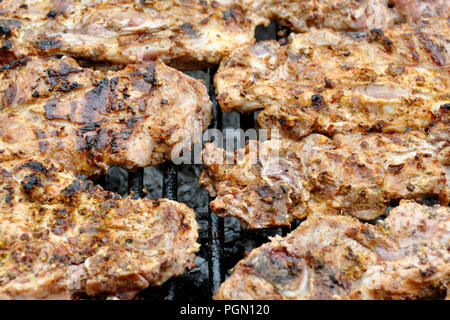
{"points": [[62, 237], [89, 120], [187, 34], [346, 15], [272, 183], [406, 256], [328, 82]]}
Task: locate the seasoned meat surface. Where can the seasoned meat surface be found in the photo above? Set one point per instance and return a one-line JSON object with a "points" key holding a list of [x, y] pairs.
{"points": [[187, 34], [406, 256], [328, 82], [88, 120], [346, 15], [62, 237], [274, 182]]}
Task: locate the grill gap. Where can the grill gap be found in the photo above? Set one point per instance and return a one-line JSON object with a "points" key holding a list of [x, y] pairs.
{"points": [[175, 288]]}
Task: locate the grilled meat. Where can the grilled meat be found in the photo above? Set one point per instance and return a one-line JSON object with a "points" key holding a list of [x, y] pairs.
{"points": [[406, 256], [328, 82], [272, 183], [346, 15], [89, 120], [62, 237], [187, 34]]}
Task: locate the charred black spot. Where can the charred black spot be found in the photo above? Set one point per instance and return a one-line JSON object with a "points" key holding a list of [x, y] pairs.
{"points": [[130, 123], [74, 85], [87, 183], [49, 44], [6, 45], [378, 127], [56, 77], [90, 126], [318, 102], [89, 143], [150, 78], [67, 69], [14, 64], [30, 182], [410, 187], [98, 140], [188, 29], [100, 86], [396, 168], [36, 166], [377, 35], [52, 14], [335, 282], [114, 145], [228, 15], [5, 29], [99, 99], [53, 78], [71, 189], [126, 95]]}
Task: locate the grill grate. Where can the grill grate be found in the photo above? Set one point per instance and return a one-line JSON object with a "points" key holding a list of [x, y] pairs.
{"points": [[170, 191], [136, 183], [215, 247], [215, 224]]}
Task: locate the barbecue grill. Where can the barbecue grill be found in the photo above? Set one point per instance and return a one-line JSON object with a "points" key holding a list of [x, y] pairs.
{"points": [[174, 288], [218, 264]]}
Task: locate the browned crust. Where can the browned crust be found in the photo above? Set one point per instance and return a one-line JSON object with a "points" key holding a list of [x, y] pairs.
{"points": [[90, 120], [338, 257], [62, 237]]}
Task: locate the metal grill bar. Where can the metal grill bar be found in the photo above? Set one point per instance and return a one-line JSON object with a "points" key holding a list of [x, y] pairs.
{"points": [[215, 224], [170, 181], [170, 191], [136, 183]]}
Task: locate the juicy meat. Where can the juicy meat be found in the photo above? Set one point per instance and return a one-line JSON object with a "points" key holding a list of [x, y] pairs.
{"points": [[329, 82], [89, 120], [62, 237], [272, 183], [187, 34], [346, 15], [406, 256]]}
